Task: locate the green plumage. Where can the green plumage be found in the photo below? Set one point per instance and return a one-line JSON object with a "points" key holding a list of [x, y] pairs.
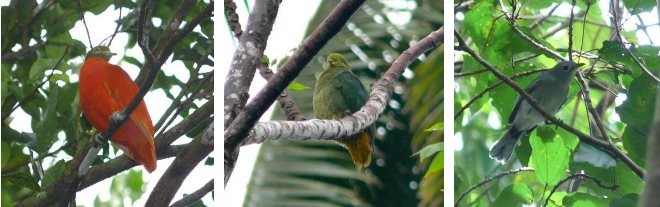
{"points": [[337, 93]]}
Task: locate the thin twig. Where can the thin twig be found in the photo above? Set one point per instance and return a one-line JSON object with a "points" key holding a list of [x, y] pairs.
{"points": [[570, 31], [618, 35], [195, 196], [612, 187], [491, 87], [36, 89], [119, 21], [524, 169], [82, 15]]}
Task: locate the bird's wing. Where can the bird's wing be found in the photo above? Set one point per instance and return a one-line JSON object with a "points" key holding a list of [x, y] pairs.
{"points": [[122, 89], [352, 90], [532, 86]]}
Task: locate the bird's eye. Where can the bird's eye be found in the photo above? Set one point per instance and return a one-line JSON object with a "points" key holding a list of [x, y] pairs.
{"points": [[565, 67]]}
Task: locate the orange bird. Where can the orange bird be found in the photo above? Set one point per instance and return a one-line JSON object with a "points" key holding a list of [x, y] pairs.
{"points": [[106, 88]]}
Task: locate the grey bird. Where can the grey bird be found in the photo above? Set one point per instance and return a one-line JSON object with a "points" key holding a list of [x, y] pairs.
{"points": [[550, 91]]}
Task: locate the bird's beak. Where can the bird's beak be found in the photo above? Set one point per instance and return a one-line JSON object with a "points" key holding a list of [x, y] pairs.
{"points": [[578, 65]]}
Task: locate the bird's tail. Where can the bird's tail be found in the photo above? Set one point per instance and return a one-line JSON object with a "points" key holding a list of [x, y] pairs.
{"points": [[503, 148], [360, 149]]}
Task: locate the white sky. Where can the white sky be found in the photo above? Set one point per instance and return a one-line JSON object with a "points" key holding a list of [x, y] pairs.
{"points": [[156, 102], [287, 33]]}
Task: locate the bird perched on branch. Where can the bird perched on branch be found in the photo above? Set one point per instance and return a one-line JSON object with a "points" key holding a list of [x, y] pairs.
{"points": [[337, 93], [550, 91], [105, 88]]}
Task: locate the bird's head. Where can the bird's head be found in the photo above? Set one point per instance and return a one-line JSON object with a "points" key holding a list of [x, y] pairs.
{"points": [[565, 69], [336, 60], [101, 52]]}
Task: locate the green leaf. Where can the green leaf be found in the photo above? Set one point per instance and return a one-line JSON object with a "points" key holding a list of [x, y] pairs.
{"points": [[133, 61], [514, 195], [7, 201], [38, 69], [627, 200], [639, 6], [20, 180], [436, 127], [637, 112], [429, 150], [584, 200], [54, 173], [546, 132], [5, 153], [437, 164], [46, 135], [550, 158], [296, 86], [264, 60]]}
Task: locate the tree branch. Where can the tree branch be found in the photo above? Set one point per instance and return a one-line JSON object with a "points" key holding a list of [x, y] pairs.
{"points": [[195, 196], [248, 56], [484, 182], [232, 18], [119, 164], [612, 187], [255, 109], [167, 186], [286, 103], [491, 87]]}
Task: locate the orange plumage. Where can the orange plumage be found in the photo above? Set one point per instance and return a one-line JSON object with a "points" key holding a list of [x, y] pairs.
{"points": [[106, 88]]}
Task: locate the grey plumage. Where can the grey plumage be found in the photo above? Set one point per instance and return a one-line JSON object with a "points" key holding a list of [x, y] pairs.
{"points": [[550, 91]]}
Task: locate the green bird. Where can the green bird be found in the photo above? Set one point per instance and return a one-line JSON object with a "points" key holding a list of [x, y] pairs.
{"points": [[337, 93]]}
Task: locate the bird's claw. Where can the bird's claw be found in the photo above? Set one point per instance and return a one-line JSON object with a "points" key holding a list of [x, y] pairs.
{"points": [[116, 116]]}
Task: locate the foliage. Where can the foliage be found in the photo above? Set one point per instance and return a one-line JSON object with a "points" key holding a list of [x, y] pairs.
{"points": [[553, 152], [314, 173], [38, 48]]}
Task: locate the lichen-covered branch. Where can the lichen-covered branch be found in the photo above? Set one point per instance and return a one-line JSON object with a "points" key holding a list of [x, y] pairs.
{"points": [[358, 121], [247, 57]]}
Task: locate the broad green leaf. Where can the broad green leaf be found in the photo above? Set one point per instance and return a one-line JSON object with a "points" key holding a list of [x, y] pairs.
{"points": [[546, 132], [46, 135], [54, 173], [430, 150], [39, 68], [5, 153], [637, 112], [436, 127], [639, 6], [550, 159], [584, 200], [514, 195], [296, 86], [627, 200], [437, 164]]}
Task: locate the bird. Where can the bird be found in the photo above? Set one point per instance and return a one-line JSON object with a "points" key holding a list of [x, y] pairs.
{"points": [[105, 88], [550, 92], [337, 93]]}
